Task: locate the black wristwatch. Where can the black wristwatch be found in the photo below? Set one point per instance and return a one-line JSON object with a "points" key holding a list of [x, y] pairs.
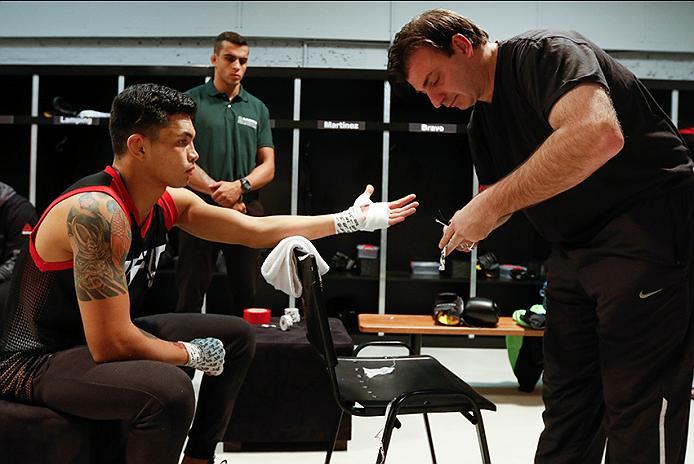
{"points": [[245, 185]]}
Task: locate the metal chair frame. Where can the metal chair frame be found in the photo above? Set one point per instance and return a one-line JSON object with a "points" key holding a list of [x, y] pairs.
{"points": [[417, 401]]}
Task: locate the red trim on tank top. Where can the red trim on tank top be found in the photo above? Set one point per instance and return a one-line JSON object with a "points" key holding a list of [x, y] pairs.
{"points": [[44, 266], [123, 192], [168, 205], [145, 226]]}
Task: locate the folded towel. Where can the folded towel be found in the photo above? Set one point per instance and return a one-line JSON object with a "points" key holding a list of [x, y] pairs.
{"points": [[279, 268]]}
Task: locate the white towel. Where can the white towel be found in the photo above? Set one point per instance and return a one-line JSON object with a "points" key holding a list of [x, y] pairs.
{"points": [[279, 268]]}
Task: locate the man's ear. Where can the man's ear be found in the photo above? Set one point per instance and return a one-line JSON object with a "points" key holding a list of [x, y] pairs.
{"points": [[213, 59], [136, 145], [460, 43]]}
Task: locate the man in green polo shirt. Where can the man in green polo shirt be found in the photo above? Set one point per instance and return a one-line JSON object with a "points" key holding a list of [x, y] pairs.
{"points": [[237, 158]]}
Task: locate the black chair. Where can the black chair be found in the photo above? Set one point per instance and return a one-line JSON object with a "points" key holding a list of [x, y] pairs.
{"points": [[385, 386]]}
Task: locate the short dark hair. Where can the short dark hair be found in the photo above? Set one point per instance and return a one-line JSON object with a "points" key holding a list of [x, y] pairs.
{"points": [[435, 29], [143, 108], [228, 36]]}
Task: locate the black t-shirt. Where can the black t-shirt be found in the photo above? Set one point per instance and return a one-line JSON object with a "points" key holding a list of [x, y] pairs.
{"points": [[533, 71]]}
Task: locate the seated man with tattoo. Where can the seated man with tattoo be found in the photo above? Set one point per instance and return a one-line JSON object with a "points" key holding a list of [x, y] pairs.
{"points": [[71, 338]]}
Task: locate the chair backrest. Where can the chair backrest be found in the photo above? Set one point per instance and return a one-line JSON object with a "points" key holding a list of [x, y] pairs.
{"points": [[317, 326]]}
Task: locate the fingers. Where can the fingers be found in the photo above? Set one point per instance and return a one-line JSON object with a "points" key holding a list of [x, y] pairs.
{"points": [[466, 246], [446, 239], [463, 231], [402, 201], [453, 241], [401, 209], [368, 190], [221, 199], [460, 244], [395, 218], [404, 208]]}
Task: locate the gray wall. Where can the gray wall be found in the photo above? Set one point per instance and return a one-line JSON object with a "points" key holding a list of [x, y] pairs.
{"points": [[320, 34], [643, 26]]}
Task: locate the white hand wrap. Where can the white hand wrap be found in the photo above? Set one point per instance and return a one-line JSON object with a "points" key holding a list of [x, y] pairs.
{"points": [[348, 220], [376, 217], [352, 219], [205, 354]]}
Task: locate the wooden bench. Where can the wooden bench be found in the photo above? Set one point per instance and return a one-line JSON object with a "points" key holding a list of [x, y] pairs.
{"points": [[417, 325]]}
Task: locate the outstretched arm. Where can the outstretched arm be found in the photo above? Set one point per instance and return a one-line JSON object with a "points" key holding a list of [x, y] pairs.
{"points": [[229, 226]]}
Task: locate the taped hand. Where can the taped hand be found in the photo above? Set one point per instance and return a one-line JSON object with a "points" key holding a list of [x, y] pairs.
{"points": [[369, 216], [206, 354]]}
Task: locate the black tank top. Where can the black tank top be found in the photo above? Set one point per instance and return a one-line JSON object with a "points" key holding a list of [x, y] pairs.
{"points": [[42, 314]]}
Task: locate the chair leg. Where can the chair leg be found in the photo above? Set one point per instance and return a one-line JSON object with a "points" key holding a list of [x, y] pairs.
{"points": [[387, 433], [331, 445], [431, 441], [481, 435], [484, 449]]}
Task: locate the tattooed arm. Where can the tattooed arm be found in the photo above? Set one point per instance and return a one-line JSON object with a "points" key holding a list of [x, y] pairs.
{"points": [[99, 235]]}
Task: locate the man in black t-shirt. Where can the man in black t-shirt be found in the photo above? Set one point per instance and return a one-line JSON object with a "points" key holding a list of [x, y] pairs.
{"points": [[564, 133]]}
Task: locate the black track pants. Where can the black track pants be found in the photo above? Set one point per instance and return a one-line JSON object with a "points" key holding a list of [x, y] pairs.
{"points": [[618, 345], [155, 400]]}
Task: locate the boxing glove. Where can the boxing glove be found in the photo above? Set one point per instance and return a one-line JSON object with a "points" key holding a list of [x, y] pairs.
{"points": [[448, 309], [481, 312]]}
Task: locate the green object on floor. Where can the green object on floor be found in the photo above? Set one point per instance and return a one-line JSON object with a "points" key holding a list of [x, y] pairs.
{"points": [[513, 346], [525, 353]]}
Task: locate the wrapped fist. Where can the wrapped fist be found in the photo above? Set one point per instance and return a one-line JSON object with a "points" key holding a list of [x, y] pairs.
{"points": [[205, 354]]}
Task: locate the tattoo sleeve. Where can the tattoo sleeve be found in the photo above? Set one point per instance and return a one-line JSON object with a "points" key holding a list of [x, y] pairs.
{"points": [[100, 247]]}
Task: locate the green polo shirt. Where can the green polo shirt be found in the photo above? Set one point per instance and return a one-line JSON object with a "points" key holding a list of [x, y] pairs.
{"points": [[228, 134]]}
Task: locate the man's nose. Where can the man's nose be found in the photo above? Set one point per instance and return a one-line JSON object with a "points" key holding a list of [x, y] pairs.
{"points": [[193, 154], [435, 99]]}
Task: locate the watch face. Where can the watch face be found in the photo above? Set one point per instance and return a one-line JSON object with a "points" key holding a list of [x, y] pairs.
{"points": [[245, 185]]}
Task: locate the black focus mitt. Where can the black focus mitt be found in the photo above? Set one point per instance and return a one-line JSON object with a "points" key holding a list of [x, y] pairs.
{"points": [[481, 312]]}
